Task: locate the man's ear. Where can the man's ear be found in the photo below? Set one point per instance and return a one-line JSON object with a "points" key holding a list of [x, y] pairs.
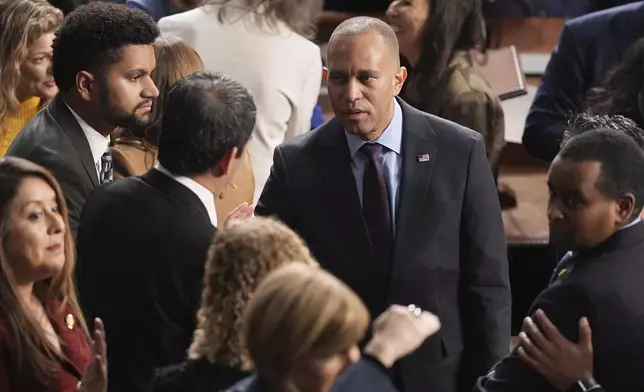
{"points": [[225, 163], [85, 85], [399, 80], [625, 208]]}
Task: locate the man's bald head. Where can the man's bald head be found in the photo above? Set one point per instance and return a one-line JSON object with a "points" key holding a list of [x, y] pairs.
{"points": [[363, 24]]}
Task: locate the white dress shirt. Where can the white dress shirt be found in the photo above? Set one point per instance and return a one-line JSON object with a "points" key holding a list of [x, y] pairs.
{"points": [[206, 197], [97, 143]]}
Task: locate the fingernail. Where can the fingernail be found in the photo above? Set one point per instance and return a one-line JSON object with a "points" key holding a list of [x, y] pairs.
{"points": [[539, 312]]}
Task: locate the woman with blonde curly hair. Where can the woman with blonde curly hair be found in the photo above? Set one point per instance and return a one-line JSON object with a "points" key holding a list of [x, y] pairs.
{"points": [[26, 81], [242, 254]]}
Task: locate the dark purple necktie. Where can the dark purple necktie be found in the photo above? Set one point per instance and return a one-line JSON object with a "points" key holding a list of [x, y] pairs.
{"points": [[375, 202]]}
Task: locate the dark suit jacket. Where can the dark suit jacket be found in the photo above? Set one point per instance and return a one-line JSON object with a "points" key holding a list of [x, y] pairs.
{"points": [[449, 252], [604, 285], [366, 375], [197, 375], [142, 247], [589, 47], [54, 139]]}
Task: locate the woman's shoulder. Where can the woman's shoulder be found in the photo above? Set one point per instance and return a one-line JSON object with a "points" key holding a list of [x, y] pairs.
{"points": [[466, 82]]}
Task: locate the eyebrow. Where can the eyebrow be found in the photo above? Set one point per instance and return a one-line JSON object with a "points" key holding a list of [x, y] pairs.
{"points": [[362, 72], [137, 71], [38, 201]]}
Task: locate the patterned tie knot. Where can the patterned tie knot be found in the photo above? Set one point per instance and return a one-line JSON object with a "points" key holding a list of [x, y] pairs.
{"points": [[372, 151]]}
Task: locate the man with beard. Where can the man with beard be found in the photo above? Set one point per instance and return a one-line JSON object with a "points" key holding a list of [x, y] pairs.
{"points": [[596, 196], [102, 61]]}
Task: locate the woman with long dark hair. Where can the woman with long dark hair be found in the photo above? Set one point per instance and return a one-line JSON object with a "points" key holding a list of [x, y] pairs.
{"points": [[438, 39], [44, 342]]}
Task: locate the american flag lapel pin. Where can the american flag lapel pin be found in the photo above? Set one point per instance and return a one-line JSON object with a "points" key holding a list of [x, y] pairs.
{"points": [[423, 157]]}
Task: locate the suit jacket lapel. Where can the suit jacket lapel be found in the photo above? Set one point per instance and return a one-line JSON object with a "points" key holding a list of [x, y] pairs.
{"points": [[72, 128], [419, 148], [334, 164]]}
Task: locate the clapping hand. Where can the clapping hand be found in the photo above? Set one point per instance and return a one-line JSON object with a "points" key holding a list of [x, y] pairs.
{"points": [[242, 212], [95, 379]]}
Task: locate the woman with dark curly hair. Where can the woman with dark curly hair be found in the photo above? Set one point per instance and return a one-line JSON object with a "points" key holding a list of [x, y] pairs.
{"points": [[242, 254], [622, 92]]}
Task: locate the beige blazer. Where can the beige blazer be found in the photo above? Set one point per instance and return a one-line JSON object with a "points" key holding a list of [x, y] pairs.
{"points": [[131, 157], [282, 70]]}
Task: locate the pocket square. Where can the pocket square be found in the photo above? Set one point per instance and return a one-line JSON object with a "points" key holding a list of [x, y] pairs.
{"points": [[423, 157]]}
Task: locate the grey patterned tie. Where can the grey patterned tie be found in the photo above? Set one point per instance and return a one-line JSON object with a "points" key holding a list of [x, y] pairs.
{"points": [[106, 174]]}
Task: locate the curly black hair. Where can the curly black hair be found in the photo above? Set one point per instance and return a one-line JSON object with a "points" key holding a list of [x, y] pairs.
{"points": [[92, 36], [583, 122]]}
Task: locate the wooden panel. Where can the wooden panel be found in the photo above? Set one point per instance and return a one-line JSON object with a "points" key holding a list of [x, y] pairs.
{"points": [[532, 35], [527, 223]]}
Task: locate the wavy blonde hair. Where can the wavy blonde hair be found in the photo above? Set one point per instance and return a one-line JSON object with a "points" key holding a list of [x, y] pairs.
{"points": [[22, 22], [297, 311], [241, 255], [34, 354]]}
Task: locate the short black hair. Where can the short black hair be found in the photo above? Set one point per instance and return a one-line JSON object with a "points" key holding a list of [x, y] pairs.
{"points": [[583, 122], [362, 24], [204, 117], [92, 37], [621, 160]]}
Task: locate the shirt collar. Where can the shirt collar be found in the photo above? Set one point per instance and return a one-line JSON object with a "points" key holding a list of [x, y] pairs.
{"points": [[206, 197], [97, 143], [633, 223], [390, 138]]}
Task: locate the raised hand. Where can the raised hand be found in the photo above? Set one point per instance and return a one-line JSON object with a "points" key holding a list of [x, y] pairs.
{"points": [[399, 331], [242, 212], [95, 379]]}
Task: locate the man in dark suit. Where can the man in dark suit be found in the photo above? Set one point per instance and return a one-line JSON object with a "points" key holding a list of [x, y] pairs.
{"points": [[589, 47], [143, 241], [402, 206], [597, 195], [103, 58]]}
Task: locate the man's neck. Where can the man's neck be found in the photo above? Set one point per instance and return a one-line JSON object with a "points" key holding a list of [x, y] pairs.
{"points": [[84, 111], [213, 184]]}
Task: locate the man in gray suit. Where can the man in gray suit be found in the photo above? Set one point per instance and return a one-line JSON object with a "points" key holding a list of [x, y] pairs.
{"points": [[103, 58]]}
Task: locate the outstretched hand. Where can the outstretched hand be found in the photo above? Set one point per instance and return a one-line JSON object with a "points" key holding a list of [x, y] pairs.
{"points": [[95, 379], [242, 212]]}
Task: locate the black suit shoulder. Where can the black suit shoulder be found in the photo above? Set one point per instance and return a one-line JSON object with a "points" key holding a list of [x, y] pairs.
{"points": [[196, 376]]}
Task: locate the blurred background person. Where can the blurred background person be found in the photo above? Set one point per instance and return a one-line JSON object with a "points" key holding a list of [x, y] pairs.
{"points": [[241, 256], [44, 341], [437, 39], [302, 327], [162, 8], [135, 151], [26, 82], [589, 47], [263, 44], [622, 91]]}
